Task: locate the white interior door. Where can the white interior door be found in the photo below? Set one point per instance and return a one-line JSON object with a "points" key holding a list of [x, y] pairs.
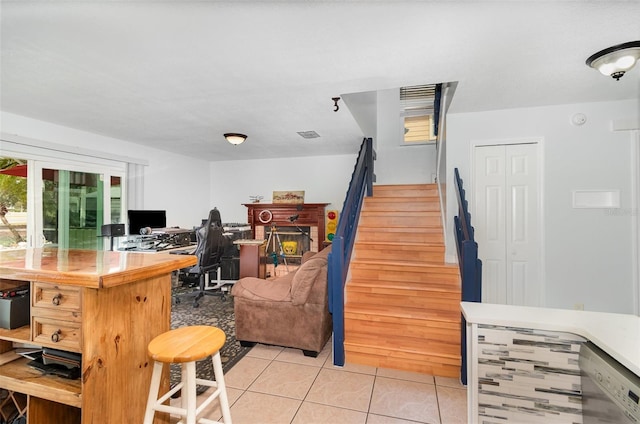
{"points": [[506, 216]]}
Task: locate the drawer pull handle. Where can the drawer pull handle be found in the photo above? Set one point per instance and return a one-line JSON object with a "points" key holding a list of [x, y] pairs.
{"points": [[56, 299], [55, 337]]}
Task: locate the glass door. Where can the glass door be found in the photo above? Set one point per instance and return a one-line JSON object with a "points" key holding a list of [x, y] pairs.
{"points": [[73, 203]]}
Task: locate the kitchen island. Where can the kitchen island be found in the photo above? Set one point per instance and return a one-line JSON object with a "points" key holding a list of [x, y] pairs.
{"points": [[523, 361], [104, 305]]}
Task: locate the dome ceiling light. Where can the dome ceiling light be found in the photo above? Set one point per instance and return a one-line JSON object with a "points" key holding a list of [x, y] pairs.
{"points": [[616, 60], [235, 138]]}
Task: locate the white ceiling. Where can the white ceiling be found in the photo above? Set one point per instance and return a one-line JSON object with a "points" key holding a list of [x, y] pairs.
{"points": [[176, 75]]}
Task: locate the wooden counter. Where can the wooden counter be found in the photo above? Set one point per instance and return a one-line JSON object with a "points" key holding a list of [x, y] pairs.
{"points": [[107, 306]]}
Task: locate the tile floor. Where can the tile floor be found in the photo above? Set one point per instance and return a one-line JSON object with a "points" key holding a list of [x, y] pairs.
{"points": [[279, 385]]}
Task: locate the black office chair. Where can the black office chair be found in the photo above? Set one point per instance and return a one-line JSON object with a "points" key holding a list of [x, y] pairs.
{"points": [[211, 244]]}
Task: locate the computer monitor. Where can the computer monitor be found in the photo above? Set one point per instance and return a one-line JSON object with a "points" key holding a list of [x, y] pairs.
{"points": [[146, 218]]}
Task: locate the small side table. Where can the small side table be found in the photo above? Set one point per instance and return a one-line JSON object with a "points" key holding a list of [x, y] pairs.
{"points": [[253, 261]]}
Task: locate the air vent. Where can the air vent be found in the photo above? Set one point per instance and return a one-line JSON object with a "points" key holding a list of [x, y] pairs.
{"points": [[418, 92], [308, 134], [417, 100]]}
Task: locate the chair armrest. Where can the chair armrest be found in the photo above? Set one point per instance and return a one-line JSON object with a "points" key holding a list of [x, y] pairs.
{"points": [[306, 256], [278, 290]]}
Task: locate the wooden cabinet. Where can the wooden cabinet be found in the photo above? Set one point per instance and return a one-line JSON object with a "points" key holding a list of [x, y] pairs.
{"points": [[253, 261], [106, 306]]}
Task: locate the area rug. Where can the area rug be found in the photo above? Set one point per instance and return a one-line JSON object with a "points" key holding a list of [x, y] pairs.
{"points": [[214, 311]]}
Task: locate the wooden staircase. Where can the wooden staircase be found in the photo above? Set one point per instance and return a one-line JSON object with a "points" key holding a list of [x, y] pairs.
{"points": [[403, 302]]}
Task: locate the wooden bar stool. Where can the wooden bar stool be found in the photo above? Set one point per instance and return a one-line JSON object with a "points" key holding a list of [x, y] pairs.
{"points": [[187, 345]]}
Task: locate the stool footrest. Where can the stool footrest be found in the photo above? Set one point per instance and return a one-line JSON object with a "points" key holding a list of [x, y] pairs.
{"points": [[203, 421], [170, 393], [213, 396]]}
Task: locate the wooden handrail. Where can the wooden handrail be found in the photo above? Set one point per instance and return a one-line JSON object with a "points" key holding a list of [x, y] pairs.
{"points": [[342, 244]]}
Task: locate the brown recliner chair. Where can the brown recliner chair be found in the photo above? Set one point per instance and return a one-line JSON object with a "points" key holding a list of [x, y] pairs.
{"points": [[291, 310]]}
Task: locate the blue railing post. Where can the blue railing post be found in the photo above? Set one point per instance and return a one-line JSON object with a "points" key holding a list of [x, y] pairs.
{"points": [[342, 243], [470, 265], [337, 301], [369, 166]]}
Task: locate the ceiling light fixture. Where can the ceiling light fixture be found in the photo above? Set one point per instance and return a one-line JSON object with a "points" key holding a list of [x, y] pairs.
{"points": [[235, 138], [616, 60]]}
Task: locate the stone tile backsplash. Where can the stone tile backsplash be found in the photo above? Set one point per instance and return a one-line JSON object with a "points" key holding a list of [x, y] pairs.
{"points": [[528, 376]]}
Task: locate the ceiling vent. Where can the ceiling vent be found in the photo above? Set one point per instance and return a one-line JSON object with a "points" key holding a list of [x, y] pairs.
{"points": [[308, 134]]}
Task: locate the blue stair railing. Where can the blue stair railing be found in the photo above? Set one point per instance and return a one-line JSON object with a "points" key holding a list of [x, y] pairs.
{"points": [[342, 244], [470, 265]]}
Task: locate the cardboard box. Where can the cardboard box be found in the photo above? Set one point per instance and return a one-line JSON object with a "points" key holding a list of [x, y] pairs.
{"points": [[14, 311]]}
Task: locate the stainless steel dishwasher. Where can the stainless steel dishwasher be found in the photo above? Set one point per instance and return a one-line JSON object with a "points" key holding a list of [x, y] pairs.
{"points": [[610, 392]]}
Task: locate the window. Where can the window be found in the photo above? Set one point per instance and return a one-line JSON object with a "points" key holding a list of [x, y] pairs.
{"points": [[419, 129], [13, 202], [416, 112]]}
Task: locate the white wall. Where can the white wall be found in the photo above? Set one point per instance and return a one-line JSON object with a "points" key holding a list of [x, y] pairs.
{"points": [[176, 183], [586, 252], [324, 179], [188, 188], [397, 164]]}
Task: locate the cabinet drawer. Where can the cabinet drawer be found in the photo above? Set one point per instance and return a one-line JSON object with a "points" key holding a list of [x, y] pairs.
{"points": [[53, 296], [56, 314], [64, 335]]}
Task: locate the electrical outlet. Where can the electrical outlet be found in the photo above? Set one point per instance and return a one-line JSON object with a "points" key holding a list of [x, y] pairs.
{"points": [[578, 306]]}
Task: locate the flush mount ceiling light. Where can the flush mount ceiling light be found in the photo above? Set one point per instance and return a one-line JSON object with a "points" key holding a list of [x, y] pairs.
{"points": [[235, 138], [616, 60]]}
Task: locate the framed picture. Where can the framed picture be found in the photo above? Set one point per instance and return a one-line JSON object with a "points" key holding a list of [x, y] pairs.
{"points": [[288, 197]]}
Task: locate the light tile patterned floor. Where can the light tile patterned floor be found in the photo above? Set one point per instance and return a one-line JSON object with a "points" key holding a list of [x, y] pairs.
{"points": [[273, 385]]}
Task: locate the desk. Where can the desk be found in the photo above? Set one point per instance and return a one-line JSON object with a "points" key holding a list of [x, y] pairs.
{"points": [[253, 262], [107, 306]]}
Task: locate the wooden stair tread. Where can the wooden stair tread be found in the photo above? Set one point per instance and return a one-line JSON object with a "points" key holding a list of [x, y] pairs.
{"points": [[403, 199], [386, 214], [400, 204], [377, 319], [405, 312], [446, 350], [404, 262], [431, 229], [403, 252], [404, 186], [444, 306], [413, 244], [427, 286], [448, 268], [428, 228], [404, 190]]}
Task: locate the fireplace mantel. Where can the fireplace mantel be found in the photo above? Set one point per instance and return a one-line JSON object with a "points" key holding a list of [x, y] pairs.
{"points": [[279, 214]]}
